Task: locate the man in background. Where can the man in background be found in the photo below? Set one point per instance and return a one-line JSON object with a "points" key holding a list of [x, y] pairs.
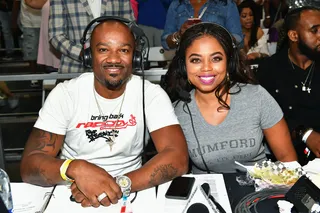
{"points": [[292, 77], [68, 20]]}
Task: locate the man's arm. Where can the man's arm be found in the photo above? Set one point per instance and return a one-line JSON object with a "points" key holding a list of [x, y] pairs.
{"points": [[170, 162], [57, 31], [279, 140], [36, 4], [39, 164], [313, 143], [267, 18]]}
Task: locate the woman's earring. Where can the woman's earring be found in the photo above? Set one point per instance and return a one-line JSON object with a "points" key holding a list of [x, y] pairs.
{"points": [[228, 79]]}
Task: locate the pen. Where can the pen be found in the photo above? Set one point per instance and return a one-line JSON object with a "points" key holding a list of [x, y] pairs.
{"points": [[124, 205], [46, 203]]}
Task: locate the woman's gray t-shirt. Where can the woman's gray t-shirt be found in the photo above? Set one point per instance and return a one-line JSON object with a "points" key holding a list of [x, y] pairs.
{"points": [[238, 137]]}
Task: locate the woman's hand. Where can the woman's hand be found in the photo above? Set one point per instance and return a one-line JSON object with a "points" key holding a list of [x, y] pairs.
{"points": [[253, 56], [184, 27]]}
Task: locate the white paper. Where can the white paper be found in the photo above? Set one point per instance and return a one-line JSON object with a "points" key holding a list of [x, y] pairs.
{"points": [[28, 198], [218, 191], [60, 202]]}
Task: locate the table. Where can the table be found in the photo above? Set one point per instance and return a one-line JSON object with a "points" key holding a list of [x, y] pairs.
{"points": [[237, 192]]}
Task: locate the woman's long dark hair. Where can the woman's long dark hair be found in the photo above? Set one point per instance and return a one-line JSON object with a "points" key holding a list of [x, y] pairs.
{"points": [[176, 81], [254, 29]]}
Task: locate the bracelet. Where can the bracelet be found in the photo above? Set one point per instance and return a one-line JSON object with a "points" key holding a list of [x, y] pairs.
{"points": [[176, 38], [306, 135], [268, 17], [63, 170]]}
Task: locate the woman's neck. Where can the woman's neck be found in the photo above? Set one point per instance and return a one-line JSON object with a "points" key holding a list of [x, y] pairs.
{"points": [[246, 30], [197, 4], [209, 99]]}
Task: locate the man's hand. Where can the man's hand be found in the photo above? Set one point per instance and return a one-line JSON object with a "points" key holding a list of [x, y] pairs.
{"points": [[313, 143], [79, 196], [92, 181]]}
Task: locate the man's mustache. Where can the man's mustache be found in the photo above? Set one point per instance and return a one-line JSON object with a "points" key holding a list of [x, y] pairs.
{"points": [[106, 66]]}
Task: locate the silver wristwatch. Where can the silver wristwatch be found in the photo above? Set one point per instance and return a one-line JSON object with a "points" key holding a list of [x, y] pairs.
{"points": [[125, 184]]}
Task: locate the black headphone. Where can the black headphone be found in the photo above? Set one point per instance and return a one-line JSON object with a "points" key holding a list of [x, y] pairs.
{"points": [[138, 33]]}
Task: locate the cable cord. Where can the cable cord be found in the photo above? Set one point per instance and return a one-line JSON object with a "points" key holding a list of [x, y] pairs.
{"points": [[144, 155], [251, 200], [195, 135]]}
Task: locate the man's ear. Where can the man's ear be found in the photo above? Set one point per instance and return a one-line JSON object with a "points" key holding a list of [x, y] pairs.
{"points": [[293, 35]]}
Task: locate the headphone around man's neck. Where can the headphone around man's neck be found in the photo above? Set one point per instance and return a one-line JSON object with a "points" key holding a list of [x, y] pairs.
{"points": [[138, 33]]}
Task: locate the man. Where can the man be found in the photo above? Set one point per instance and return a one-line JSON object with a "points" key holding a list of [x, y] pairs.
{"points": [[274, 11], [30, 20], [5, 21], [292, 76], [97, 122], [68, 20]]}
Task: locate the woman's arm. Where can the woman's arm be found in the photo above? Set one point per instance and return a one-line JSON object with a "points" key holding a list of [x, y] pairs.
{"points": [[36, 4], [279, 140]]}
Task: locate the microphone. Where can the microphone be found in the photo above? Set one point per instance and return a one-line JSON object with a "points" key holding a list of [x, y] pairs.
{"points": [[206, 189], [198, 208]]}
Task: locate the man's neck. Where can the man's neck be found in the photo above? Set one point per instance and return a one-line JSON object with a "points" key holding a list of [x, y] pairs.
{"points": [[298, 58], [109, 93]]}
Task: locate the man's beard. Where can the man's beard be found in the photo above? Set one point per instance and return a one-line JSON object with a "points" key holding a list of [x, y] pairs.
{"points": [[113, 85], [312, 54]]}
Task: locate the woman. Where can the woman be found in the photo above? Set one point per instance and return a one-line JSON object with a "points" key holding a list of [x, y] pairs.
{"points": [[184, 13], [255, 41], [222, 112]]}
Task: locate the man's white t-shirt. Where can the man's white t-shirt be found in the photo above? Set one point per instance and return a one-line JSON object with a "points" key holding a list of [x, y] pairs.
{"points": [[71, 110]]}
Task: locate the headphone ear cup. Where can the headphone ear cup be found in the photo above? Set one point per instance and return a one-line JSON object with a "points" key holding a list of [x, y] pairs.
{"points": [[86, 58], [137, 60]]}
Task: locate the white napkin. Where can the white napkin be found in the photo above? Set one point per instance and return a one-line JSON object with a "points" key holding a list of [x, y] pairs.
{"points": [[313, 170]]}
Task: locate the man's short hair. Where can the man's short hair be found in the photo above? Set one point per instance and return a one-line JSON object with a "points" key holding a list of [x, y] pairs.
{"points": [[293, 16]]}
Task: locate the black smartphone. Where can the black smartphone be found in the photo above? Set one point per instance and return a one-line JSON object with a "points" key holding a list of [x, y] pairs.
{"points": [[180, 188]]}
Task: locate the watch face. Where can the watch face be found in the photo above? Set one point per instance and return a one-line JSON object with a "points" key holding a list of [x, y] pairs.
{"points": [[124, 181]]}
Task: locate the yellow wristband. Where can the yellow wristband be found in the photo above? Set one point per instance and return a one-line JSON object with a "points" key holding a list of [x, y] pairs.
{"points": [[63, 170]]}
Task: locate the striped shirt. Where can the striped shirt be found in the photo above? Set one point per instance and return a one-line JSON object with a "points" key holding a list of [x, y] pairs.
{"points": [[69, 18]]}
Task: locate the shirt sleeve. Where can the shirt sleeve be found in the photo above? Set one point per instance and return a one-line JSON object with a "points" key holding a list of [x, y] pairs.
{"points": [[233, 22], [55, 114], [58, 27], [270, 110], [159, 109], [261, 47], [170, 26]]}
